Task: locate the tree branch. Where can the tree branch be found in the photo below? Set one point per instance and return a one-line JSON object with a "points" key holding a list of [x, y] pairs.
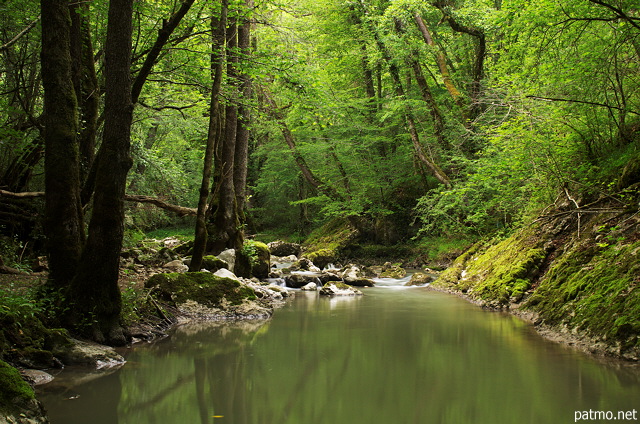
{"points": [[584, 102], [179, 210], [17, 37]]}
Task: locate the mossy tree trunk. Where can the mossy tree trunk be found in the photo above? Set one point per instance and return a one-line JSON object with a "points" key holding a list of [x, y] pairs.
{"points": [[94, 291], [218, 25], [63, 213], [226, 232]]}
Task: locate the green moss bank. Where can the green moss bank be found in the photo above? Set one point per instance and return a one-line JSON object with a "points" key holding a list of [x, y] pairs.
{"points": [[202, 287], [576, 277]]}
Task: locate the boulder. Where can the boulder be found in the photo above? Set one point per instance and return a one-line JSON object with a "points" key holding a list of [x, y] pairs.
{"points": [[297, 281], [88, 353], [259, 258], [420, 279], [176, 266], [229, 256], [339, 289], [309, 287], [213, 263], [283, 248], [203, 287], [394, 271], [225, 273], [322, 257]]}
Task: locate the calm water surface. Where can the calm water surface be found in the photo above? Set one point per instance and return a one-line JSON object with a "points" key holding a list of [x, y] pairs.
{"points": [[394, 356]]}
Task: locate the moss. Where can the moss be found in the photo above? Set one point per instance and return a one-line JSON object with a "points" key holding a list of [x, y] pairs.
{"points": [[326, 243], [202, 287], [594, 290], [259, 258], [213, 263], [14, 388]]}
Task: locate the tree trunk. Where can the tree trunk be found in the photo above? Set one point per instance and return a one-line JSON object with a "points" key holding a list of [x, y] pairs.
{"points": [[95, 294], [218, 26], [441, 60], [226, 231], [241, 160], [438, 173], [86, 84], [63, 214]]}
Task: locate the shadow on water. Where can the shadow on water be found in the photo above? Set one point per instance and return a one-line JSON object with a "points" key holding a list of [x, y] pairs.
{"points": [[391, 356]]}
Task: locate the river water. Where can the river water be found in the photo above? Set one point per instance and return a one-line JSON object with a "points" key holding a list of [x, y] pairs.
{"points": [[393, 356]]}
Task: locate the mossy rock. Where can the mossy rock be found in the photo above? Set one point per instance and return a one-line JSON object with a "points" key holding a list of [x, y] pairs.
{"points": [[213, 263], [14, 388], [202, 287], [259, 258], [394, 271], [322, 257], [420, 279]]}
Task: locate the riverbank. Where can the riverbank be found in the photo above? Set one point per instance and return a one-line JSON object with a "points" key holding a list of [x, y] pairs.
{"points": [[573, 273]]}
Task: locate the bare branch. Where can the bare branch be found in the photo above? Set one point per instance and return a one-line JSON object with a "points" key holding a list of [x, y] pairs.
{"points": [[17, 37]]}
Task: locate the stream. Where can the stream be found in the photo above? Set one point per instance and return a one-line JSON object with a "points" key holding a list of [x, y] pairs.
{"points": [[395, 355]]}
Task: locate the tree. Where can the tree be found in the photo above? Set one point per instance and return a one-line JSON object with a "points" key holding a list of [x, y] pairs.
{"points": [[218, 26], [63, 213]]}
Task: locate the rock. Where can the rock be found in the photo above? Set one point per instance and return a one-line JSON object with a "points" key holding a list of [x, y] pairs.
{"points": [[420, 279], [204, 288], [304, 264], [88, 353], [309, 287], [213, 263], [339, 289], [297, 281], [283, 248], [322, 257], [362, 282], [229, 256], [36, 377], [176, 266], [260, 259], [225, 273], [394, 271]]}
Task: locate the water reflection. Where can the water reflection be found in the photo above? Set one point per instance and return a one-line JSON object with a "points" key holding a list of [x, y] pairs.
{"points": [[391, 356]]}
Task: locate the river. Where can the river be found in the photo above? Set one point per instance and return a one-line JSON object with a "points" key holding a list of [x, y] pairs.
{"points": [[393, 356]]}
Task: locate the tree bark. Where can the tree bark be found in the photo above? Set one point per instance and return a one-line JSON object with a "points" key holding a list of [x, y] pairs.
{"points": [[441, 60], [218, 26], [226, 232], [86, 84], [241, 160], [63, 214], [95, 294]]}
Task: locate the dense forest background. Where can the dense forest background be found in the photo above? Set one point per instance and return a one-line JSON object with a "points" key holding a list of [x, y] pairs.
{"points": [[417, 122]]}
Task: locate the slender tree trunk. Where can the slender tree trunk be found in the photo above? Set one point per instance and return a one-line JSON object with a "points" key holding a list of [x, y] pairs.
{"points": [[86, 84], [227, 233], [218, 26], [438, 173], [63, 213], [441, 60], [95, 294], [241, 160]]}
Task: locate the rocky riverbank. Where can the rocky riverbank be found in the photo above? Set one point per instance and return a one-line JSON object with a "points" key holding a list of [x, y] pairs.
{"points": [[573, 273]]}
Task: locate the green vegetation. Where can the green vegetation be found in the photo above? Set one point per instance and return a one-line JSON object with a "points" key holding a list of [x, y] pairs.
{"points": [[584, 279], [14, 388]]}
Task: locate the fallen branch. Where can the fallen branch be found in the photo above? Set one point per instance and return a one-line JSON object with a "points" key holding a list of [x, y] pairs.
{"points": [[179, 210], [23, 195]]}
